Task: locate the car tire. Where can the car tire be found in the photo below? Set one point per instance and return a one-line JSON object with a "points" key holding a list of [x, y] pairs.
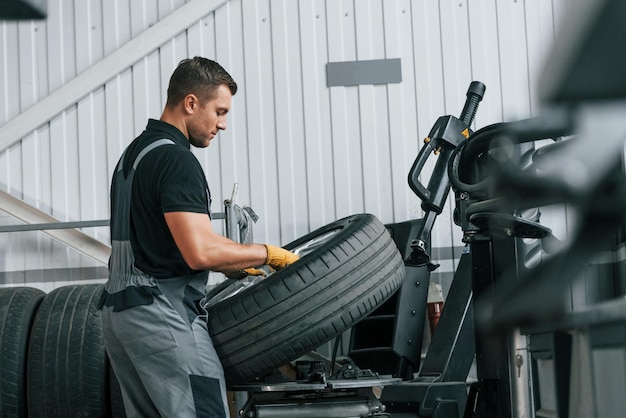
{"points": [[67, 367], [310, 302], [17, 310]]}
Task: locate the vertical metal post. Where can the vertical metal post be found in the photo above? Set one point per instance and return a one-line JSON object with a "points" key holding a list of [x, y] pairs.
{"points": [[520, 375], [231, 219], [493, 391], [451, 351]]}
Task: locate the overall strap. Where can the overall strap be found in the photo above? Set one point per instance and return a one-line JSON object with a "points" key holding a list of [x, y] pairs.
{"points": [[120, 218], [122, 272]]}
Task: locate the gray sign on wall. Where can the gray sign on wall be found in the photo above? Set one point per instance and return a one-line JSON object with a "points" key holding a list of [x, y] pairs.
{"points": [[352, 73]]}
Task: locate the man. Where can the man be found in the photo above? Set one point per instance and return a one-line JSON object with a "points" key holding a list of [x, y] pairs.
{"points": [[163, 246]]}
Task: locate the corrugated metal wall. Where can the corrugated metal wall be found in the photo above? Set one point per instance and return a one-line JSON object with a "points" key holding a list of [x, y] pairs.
{"points": [[302, 153]]}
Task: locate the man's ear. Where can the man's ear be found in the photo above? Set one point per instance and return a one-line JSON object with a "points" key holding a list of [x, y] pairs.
{"points": [[190, 103]]}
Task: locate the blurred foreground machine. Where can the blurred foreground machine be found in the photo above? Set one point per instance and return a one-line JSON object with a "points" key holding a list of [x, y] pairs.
{"points": [[545, 318], [549, 315]]}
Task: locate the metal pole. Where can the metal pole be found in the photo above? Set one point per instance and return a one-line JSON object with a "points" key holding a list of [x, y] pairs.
{"points": [[520, 373]]}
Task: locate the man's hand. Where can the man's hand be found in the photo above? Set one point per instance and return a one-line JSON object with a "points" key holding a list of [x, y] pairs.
{"points": [[241, 274], [278, 257]]}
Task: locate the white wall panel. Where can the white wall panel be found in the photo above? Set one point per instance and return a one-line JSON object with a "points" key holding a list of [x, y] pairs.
{"points": [[10, 71], [302, 153], [93, 167], [60, 43], [293, 205], [486, 57], [316, 140], [402, 109], [340, 38], [259, 147], [374, 116], [119, 120], [115, 24], [89, 36], [515, 76]]}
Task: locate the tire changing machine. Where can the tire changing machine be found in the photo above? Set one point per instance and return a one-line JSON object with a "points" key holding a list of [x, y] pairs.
{"points": [[350, 392], [382, 376], [389, 340]]}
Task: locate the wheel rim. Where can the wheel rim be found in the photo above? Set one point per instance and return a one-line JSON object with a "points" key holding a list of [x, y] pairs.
{"points": [[302, 250], [314, 243]]}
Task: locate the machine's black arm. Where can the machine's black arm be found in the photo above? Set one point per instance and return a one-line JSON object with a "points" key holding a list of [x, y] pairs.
{"points": [[447, 134]]}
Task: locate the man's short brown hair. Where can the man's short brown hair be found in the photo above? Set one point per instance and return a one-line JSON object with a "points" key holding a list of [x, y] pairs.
{"points": [[199, 76]]}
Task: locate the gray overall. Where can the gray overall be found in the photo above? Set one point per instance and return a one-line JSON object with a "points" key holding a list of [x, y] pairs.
{"points": [[155, 331]]}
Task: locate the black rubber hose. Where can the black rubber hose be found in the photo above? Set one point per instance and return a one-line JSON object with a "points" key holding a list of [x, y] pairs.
{"points": [[553, 124], [483, 138]]}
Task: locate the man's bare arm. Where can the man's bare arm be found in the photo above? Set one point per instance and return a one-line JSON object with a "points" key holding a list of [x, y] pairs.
{"points": [[204, 249]]}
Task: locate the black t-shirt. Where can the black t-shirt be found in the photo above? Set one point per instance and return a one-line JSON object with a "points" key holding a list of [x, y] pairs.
{"points": [[169, 178]]}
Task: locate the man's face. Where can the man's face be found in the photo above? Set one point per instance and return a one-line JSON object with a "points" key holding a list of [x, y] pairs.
{"points": [[209, 118]]}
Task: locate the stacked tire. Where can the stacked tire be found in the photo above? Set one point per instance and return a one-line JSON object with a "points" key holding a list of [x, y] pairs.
{"points": [[52, 357], [51, 353], [17, 311], [67, 366]]}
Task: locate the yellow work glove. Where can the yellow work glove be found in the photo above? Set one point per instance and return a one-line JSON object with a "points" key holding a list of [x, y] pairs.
{"points": [[279, 258], [241, 274]]}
